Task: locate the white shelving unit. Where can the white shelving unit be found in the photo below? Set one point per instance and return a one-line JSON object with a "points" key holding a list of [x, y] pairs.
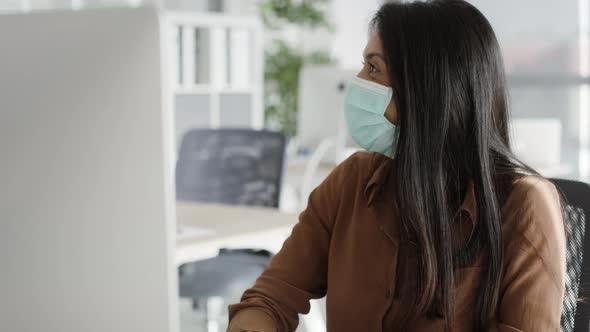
{"points": [[217, 68]]}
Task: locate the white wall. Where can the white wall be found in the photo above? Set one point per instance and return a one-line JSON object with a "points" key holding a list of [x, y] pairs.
{"points": [[86, 219], [242, 7], [547, 23], [351, 19], [10, 5]]}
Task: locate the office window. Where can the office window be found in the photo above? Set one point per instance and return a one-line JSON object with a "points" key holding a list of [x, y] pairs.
{"points": [[547, 56]]}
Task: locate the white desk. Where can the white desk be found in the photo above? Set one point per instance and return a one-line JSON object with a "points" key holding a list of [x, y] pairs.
{"points": [[205, 228]]}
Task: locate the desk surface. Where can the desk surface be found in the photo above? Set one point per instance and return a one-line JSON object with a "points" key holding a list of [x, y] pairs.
{"points": [[204, 228]]}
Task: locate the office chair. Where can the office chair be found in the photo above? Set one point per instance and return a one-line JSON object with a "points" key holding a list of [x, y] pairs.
{"points": [[231, 166], [236, 167], [575, 316]]}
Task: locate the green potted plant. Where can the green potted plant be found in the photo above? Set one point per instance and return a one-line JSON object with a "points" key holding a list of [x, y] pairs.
{"points": [[283, 61]]}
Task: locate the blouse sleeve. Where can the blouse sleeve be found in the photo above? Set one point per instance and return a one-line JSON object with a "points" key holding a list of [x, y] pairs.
{"points": [[298, 272]]}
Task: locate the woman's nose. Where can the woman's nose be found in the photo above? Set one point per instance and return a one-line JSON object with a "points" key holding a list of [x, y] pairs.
{"points": [[361, 74]]}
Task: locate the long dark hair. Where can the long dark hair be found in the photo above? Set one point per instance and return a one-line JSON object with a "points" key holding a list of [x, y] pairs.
{"points": [[448, 78]]}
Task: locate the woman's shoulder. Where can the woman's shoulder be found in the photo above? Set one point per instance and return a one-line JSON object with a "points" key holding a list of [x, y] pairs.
{"points": [[533, 197], [533, 217], [531, 192]]}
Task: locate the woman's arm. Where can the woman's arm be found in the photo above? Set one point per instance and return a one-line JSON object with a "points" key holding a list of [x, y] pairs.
{"points": [[298, 272], [534, 276]]}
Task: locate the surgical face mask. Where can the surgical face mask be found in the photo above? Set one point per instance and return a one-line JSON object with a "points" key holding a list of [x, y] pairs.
{"points": [[364, 106]]}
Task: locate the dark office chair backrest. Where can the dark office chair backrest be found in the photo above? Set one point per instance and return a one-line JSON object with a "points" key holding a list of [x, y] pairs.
{"points": [[231, 166], [575, 316]]}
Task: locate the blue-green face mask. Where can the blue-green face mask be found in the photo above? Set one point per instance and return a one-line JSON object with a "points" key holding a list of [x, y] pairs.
{"points": [[364, 105]]}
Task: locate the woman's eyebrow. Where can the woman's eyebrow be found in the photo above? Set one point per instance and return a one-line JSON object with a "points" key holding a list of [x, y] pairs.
{"points": [[372, 55]]}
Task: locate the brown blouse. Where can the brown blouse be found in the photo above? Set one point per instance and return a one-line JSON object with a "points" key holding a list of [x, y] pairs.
{"points": [[346, 246]]}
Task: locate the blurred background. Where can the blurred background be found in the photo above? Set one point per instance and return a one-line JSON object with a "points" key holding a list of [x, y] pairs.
{"points": [[253, 89]]}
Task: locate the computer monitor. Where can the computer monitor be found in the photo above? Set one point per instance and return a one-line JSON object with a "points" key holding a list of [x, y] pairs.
{"points": [[86, 199], [321, 107]]}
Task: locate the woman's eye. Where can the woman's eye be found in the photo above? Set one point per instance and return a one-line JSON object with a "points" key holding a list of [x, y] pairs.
{"points": [[372, 69]]}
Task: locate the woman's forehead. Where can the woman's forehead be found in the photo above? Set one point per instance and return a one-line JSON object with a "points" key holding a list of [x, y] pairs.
{"points": [[374, 45]]}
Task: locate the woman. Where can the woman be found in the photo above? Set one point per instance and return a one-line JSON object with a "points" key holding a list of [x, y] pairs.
{"points": [[438, 227]]}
